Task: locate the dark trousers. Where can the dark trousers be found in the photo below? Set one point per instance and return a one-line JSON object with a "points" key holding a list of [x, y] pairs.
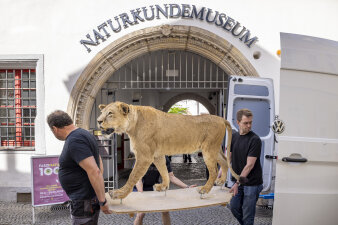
{"points": [[243, 205], [85, 212], [186, 157], [91, 220]]}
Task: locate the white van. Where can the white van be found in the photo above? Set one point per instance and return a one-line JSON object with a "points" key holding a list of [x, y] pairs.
{"points": [[306, 182], [306, 188]]}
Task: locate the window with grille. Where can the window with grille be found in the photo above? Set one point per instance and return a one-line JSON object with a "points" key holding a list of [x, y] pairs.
{"points": [[17, 108]]}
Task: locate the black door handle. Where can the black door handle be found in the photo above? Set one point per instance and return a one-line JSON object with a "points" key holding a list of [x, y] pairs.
{"points": [[294, 157], [271, 156]]}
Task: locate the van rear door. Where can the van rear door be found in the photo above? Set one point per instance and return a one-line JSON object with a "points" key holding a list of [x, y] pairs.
{"points": [[306, 188], [256, 94]]}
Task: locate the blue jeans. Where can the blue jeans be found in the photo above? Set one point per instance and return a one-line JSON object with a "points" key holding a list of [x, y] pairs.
{"points": [[243, 205]]}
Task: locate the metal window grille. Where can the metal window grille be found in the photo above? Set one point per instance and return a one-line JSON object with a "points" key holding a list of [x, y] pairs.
{"points": [[17, 108], [108, 147], [108, 155], [169, 69]]}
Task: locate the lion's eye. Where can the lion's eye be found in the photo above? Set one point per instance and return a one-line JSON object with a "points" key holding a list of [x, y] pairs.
{"points": [[110, 114]]}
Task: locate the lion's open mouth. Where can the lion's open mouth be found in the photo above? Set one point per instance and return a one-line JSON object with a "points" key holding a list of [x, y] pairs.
{"points": [[108, 131]]}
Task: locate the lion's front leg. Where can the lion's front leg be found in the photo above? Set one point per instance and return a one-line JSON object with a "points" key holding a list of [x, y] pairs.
{"points": [[160, 163], [119, 193], [141, 166]]}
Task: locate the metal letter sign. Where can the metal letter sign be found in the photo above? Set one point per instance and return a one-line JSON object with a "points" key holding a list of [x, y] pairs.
{"points": [[183, 11]]}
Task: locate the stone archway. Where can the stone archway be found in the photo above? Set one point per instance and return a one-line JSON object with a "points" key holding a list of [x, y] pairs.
{"points": [[140, 42], [190, 96]]}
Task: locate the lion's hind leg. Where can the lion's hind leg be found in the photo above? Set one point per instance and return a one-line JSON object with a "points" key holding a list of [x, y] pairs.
{"points": [[221, 160], [160, 163], [210, 159]]}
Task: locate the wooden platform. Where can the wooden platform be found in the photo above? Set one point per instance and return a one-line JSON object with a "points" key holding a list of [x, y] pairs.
{"points": [[180, 199]]}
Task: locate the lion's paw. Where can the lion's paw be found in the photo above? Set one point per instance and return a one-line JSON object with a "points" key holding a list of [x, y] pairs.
{"points": [[161, 187], [219, 181], [203, 190], [118, 194]]}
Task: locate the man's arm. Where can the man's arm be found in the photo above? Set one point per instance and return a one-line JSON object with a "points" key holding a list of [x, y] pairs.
{"points": [[139, 186], [178, 182], [96, 179], [250, 162]]}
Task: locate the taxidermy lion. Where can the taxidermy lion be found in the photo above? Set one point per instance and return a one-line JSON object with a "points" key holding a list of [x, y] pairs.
{"points": [[154, 134]]}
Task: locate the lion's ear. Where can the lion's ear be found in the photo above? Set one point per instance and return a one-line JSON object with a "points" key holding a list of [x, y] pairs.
{"points": [[102, 106], [124, 108]]}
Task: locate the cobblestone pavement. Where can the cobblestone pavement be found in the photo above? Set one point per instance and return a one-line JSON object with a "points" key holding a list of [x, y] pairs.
{"points": [[194, 173]]}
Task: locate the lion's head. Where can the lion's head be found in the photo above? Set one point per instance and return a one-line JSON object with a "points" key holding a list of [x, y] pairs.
{"points": [[113, 117]]}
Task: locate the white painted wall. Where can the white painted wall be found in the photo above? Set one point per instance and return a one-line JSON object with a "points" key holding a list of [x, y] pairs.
{"points": [[55, 28]]}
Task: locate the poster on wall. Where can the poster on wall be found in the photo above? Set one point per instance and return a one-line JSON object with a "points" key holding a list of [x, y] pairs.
{"points": [[46, 188]]}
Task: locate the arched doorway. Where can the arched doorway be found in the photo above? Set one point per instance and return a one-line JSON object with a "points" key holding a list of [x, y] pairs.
{"points": [[131, 46], [190, 96]]}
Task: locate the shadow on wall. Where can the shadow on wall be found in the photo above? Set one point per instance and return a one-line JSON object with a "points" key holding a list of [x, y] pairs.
{"points": [[19, 181], [72, 79]]}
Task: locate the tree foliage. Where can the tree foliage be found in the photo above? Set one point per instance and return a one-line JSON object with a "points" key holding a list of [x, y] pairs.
{"points": [[178, 109]]}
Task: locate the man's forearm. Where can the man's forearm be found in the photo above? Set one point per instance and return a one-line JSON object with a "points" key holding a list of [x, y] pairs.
{"points": [[177, 181], [246, 170], [139, 186], [250, 163], [97, 182]]}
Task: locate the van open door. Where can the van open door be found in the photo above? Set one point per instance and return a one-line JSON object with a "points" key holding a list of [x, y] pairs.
{"points": [[306, 188], [256, 94]]}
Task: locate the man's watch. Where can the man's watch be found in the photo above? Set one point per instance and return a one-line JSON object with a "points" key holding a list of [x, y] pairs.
{"points": [[103, 203]]}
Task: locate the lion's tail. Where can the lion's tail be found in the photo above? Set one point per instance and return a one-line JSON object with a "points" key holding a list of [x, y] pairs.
{"points": [[229, 131]]}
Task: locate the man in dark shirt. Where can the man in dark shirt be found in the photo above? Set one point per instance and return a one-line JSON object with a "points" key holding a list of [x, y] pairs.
{"points": [[245, 157], [81, 169]]}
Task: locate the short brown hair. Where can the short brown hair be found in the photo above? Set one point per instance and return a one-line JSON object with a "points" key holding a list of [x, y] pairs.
{"points": [[243, 112], [59, 119]]}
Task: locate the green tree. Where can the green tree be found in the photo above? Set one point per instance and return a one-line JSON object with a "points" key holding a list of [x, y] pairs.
{"points": [[178, 109]]}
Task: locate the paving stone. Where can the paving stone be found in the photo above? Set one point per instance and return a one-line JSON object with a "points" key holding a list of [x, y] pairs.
{"points": [[194, 173]]}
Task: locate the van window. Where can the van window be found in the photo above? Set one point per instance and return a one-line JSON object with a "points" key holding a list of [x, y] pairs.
{"points": [[261, 114], [246, 89]]}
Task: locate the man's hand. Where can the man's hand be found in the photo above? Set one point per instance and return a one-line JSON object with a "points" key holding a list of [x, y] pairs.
{"points": [[192, 186], [234, 189], [105, 209]]}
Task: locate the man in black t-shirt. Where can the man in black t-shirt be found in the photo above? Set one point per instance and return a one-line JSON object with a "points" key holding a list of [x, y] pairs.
{"points": [[81, 169], [151, 178], [245, 157]]}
